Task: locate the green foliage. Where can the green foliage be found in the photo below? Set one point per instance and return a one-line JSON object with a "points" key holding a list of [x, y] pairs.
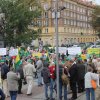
{"points": [[17, 18], [96, 20]]}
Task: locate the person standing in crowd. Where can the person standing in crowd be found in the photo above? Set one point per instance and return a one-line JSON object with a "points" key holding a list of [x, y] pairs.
{"points": [[52, 77], [29, 71], [88, 86], [20, 71], [94, 61], [73, 79], [81, 74], [61, 85], [45, 73], [4, 71], [12, 80], [39, 69], [86, 65]]}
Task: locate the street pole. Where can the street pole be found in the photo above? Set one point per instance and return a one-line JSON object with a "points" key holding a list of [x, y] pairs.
{"points": [[57, 51]]}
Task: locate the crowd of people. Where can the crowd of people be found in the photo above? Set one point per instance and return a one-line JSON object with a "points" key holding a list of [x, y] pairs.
{"points": [[79, 75]]}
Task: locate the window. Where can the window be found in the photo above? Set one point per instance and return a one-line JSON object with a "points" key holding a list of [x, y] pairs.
{"points": [[46, 14], [67, 13], [64, 29], [65, 21], [46, 30], [68, 5], [64, 13]]}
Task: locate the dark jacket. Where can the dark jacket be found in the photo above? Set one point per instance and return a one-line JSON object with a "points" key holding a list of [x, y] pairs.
{"points": [[4, 71], [73, 73], [45, 73], [81, 71], [20, 71]]}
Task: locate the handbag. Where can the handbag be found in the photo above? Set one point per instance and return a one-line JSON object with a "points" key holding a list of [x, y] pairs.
{"points": [[93, 83], [64, 78]]}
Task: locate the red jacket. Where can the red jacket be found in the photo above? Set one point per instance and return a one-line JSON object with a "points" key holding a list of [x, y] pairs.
{"points": [[52, 71]]}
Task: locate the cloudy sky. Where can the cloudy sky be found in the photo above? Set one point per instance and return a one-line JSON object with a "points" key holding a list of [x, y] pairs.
{"points": [[97, 1]]}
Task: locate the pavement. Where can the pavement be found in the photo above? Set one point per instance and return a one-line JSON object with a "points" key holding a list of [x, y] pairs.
{"points": [[38, 94]]}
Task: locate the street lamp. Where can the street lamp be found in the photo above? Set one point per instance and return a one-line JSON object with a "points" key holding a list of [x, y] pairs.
{"points": [[56, 10]]}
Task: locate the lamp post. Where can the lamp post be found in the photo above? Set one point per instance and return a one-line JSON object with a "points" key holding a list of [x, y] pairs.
{"points": [[56, 10], [57, 51]]}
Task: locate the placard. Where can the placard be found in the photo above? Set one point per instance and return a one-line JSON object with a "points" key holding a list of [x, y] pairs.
{"points": [[74, 50], [62, 50], [13, 52], [3, 51]]}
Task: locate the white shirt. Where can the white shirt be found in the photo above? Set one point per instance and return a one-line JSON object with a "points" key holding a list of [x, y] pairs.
{"points": [[91, 76]]}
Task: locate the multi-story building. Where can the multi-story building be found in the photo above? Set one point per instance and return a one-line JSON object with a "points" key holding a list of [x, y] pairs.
{"points": [[73, 22]]}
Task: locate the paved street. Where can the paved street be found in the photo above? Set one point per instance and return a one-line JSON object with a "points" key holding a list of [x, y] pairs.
{"points": [[38, 94]]}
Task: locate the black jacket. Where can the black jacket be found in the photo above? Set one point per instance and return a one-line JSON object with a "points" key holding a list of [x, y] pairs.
{"points": [[45, 73], [20, 71], [81, 71], [4, 71], [73, 73]]}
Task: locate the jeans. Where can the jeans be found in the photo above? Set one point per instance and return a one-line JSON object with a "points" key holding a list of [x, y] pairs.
{"points": [[60, 90], [90, 91], [46, 86], [39, 78], [13, 95], [52, 83]]}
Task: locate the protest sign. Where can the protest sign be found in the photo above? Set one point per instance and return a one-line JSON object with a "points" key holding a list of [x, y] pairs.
{"points": [[62, 50], [93, 51], [13, 52], [74, 50], [3, 51]]}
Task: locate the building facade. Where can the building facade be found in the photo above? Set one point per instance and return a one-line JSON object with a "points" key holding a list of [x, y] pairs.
{"points": [[73, 22]]}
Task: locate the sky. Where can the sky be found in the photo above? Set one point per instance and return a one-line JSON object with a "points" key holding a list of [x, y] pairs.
{"points": [[98, 1]]}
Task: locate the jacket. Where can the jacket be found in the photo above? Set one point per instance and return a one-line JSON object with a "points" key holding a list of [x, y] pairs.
{"points": [[4, 71], [73, 73], [91, 76], [45, 73], [39, 66], [20, 71], [12, 80], [29, 70], [81, 71], [52, 71]]}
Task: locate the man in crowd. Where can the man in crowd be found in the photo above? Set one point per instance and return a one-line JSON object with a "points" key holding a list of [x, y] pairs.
{"points": [[29, 70], [4, 71], [73, 79], [81, 75], [39, 69]]}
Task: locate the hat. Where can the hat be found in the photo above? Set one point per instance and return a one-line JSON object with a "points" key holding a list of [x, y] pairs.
{"points": [[2, 61]]}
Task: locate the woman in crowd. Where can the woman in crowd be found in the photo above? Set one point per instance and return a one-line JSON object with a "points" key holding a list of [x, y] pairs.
{"points": [[89, 76], [12, 80]]}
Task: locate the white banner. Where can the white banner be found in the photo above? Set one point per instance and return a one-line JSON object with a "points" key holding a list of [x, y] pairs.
{"points": [[13, 52], [62, 50], [74, 50], [3, 51]]}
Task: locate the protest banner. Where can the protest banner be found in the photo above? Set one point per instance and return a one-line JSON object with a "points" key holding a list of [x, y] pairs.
{"points": [[13, 52], [74, 50], [62, 50], [3, 51], [93, 51]]}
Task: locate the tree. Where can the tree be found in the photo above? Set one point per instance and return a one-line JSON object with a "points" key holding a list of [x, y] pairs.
{"points": [[17, 18], [96, 20]]}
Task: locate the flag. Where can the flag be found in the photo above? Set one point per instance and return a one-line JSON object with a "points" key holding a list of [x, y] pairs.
{"points": [[17, 62]]}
